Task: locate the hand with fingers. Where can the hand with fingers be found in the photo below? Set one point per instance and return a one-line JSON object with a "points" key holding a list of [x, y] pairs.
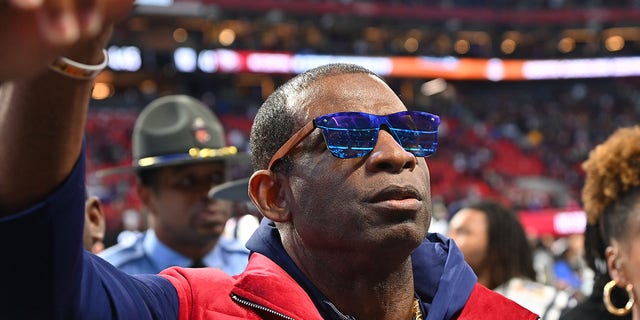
{"points": [[34, 32]]}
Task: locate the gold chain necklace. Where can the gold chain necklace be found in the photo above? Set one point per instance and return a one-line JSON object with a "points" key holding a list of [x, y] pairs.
{"points": [[417, 312]]}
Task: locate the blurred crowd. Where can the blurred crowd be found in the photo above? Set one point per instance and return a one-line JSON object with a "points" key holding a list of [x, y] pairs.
{"points": [[499, 133]]}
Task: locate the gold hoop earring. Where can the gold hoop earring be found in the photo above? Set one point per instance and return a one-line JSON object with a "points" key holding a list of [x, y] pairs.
{"points": [[606, 298]]}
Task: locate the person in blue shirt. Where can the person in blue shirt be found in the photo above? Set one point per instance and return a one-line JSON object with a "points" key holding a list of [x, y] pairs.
{"points": [[179, 155]]}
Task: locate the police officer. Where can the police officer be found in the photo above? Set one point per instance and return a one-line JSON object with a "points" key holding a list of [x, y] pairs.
{"points": [[179, 154]]}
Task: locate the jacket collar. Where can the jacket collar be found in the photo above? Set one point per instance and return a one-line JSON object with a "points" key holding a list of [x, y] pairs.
{"points": [[267, 285], [442, 279]]}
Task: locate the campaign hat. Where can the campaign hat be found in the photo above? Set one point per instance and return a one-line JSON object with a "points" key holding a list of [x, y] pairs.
{"points": [[175, 130]]}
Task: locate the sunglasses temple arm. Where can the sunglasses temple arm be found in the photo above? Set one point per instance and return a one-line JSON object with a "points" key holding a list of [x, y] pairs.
{"points": [[292, 143]]}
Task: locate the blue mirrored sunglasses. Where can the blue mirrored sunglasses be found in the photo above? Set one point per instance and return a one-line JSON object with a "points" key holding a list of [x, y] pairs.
{"points": [[355, 134]]}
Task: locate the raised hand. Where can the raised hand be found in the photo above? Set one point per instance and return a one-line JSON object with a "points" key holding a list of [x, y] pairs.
{"points": [[34, 32]]}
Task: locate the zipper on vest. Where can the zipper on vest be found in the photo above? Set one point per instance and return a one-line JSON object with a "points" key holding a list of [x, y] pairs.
{"points": [[254, 305]]}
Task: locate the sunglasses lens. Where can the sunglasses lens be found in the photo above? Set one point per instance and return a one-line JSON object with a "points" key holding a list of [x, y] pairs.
{"points": [[350, 143], [420, 143], [417, 132], [348, 134], [354, 134]]}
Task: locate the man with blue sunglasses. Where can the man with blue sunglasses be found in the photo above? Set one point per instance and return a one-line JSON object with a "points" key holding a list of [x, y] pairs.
{"points": [[341, 178]]}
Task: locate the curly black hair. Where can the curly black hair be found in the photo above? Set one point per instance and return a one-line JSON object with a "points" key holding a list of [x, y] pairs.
{"points": [[611, 192]]}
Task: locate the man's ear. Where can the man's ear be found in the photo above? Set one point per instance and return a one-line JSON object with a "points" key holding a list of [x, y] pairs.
{"points": [[95, 223], [267, 190], [93, 208]]}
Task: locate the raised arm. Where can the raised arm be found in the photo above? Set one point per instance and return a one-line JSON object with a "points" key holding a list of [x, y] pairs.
{"points": [[42, 113], [41, 127], [48, 275]]}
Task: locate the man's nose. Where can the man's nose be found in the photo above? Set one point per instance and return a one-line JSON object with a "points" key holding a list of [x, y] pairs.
{"points": [[389, 155]]}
